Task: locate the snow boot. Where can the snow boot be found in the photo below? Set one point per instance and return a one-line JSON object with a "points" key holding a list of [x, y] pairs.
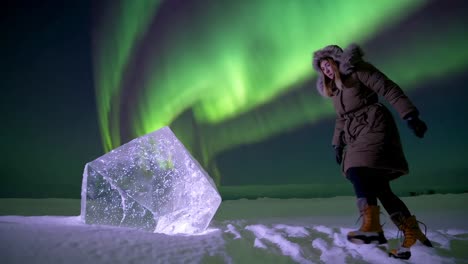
{"points": [[371, 230], [412, 233]]}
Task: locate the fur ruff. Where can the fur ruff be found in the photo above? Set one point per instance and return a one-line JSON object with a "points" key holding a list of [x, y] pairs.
{"points": [[346, 60]]}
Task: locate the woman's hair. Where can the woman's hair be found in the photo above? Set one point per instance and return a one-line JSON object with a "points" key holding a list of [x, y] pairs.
{"points": [[327, 82]]}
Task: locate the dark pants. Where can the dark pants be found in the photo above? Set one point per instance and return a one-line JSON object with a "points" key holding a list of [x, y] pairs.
{"points": [[373, 184]]}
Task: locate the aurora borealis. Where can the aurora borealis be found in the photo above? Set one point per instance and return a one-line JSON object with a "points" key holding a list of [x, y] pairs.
{"points": [[236, 65], [233, 79]]}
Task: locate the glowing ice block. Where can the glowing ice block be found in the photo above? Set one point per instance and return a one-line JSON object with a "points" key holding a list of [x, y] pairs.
{"points": [[150, 183]]}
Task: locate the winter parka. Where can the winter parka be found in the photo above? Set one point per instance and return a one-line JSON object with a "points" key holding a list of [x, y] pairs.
{"points": [[364, 126]]}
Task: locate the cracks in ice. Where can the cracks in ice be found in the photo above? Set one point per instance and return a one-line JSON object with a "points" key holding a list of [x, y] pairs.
{"points": [[121, 194]]}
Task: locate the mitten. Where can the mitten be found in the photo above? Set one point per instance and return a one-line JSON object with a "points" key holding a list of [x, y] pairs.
{"points": [[338, 154], [417, 125]]}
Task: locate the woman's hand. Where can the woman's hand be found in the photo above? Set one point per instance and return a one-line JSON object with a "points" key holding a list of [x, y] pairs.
{"points": [[417, 125], [338, 154]]}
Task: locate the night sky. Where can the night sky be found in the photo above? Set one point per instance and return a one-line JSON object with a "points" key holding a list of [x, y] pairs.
{"points": [[49, 125], [50, 102]]}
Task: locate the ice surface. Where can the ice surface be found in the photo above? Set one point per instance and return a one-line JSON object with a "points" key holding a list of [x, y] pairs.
{"points": [[150, 183], [276, 237]]}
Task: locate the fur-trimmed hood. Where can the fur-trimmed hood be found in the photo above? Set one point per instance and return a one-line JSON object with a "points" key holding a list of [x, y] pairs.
{"points": [[346, 60]]}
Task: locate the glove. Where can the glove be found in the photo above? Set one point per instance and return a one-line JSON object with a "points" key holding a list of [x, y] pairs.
{"points": [[417, 125], [338, 154]]}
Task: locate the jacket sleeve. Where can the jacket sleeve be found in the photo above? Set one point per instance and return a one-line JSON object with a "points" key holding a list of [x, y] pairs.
{"points": [[339, 124], [383, 86]]}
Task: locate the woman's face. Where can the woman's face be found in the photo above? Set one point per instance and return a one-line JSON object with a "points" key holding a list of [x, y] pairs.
{"points": [[327, 69]]}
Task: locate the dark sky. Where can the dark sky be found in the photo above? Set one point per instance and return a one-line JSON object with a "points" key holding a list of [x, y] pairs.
{"points": [[50, 128], [49, 125]]}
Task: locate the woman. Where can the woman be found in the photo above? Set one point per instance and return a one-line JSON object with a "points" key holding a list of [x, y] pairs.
{"points": [[367, 142]]}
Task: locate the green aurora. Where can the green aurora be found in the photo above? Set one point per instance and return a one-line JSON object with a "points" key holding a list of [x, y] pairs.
{"points": [[226, 73]]}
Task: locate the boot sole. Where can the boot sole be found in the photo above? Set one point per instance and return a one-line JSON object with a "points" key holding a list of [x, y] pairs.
{"points": [[362, 239], [404, 255]]}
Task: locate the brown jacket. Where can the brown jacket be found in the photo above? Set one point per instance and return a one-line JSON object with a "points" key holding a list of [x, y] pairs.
{"points": [[363, 125]]}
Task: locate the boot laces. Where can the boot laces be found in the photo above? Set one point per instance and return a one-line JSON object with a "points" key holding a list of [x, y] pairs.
{"points": [[425, 227], [412, 235], [385, 219], [360, 216]]}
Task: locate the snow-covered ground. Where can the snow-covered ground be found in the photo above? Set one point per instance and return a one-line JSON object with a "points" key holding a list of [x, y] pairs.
{"points": [[243, 231]]}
